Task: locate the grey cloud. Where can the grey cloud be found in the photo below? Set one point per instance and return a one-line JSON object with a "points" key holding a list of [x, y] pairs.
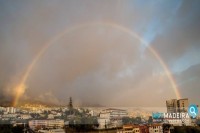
{"points": [[188, 83], [95, 64], [181, 35]]}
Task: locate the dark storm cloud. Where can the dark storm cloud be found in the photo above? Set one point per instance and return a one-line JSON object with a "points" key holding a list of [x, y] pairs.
{"points": [[182, 34]]}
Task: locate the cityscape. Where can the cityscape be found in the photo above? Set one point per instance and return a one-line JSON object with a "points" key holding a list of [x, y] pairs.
{"points": [[99, 66], [45, 119]]}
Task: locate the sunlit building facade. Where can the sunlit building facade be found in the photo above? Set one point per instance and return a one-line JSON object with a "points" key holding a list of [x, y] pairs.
{"points": [[50, 124], [174, 105], [111, 118]]}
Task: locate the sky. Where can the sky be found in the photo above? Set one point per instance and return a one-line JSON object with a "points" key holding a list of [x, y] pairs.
{"points": [[94, 62]]}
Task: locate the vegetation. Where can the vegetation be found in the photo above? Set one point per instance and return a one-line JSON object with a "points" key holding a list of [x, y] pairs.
{"points": [[128, 120], [8, 128], [5, 128], [83, 123], [150, 121], [186, 129], [198, 122], [80, 120]]}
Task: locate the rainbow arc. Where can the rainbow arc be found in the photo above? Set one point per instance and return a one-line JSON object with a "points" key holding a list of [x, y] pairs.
{"points": [[21, 87]]}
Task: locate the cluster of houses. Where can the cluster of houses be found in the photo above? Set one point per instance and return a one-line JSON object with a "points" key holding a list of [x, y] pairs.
{"points": [[110, 118], [153, 128]]}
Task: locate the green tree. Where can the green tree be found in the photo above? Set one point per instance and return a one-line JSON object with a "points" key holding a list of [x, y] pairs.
{"points": [[138, 120], [17, 129], [126, 120], [84, 123], [5, 128], [150, 121]]}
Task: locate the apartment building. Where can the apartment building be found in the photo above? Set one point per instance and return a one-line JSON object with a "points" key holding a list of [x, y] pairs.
{"points": [[50, 124]]}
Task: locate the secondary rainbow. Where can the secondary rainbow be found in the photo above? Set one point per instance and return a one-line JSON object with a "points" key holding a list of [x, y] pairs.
{"points": [[21, 87]]}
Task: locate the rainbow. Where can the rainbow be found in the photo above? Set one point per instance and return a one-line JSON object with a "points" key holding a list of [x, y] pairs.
{"points": [[21, 87]]}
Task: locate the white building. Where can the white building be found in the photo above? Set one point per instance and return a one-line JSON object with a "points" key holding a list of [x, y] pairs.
{"points": [[50, 124], [2, 109], [111, 118], [9, 116], [136, 130], [156, 128], [25, 116], [50, 116], [104, 120], [52, 131], [10, 110], [93, 113], [116, 112]]}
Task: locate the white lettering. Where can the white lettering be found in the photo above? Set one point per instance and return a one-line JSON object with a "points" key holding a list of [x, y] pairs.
{"points": [[170, 115], [165, 115], [177, 116], [174, 115], [183, 115], [187, 116]]}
